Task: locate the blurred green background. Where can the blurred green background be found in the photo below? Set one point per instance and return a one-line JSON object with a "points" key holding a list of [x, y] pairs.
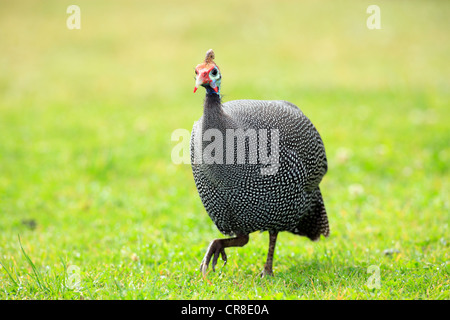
{"points": [[86, 118]]}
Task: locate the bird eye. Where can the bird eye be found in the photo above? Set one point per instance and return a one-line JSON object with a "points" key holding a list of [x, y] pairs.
{"points": [[196, 72], [214, 72]]}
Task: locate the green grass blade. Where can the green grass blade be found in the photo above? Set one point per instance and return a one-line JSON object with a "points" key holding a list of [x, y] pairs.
{"points": [[37, 274], [9, 274]]}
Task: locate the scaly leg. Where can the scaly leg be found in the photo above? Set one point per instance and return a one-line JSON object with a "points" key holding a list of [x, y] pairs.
{"points": [[217, 247], [267, 271]]}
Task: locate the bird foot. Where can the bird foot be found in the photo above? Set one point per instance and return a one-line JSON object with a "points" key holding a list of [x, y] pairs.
{"points": [[215, 248], [266, 273]]}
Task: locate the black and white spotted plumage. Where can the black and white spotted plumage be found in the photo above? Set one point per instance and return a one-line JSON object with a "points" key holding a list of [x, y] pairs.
{"points": [[237, 197]]}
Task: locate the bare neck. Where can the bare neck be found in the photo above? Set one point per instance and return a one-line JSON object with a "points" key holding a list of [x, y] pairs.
{"points": [[213, 114]]}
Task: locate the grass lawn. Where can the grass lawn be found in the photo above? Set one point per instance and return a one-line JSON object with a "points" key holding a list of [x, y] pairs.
{"points": [[92, 206]]}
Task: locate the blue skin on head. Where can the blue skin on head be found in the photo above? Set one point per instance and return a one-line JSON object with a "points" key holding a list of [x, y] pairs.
{"points": [[209, 89]]}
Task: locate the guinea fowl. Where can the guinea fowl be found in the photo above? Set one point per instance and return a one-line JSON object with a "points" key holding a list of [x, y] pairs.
{"points": [[268, 180]]}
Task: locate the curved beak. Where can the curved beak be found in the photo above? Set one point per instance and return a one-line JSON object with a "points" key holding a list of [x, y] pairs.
{"points": [[200, 81]]}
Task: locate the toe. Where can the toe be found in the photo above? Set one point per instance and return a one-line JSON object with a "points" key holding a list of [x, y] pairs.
{"points": [[213, 249]]}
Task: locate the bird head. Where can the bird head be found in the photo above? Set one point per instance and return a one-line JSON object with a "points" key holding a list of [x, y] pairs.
{"points": [[207, 74]]}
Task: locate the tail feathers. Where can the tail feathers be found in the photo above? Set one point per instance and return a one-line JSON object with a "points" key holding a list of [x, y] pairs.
{"points": [[315, 222]]}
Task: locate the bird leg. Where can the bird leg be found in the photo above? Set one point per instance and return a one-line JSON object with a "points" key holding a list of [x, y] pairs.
{"points": [[217, 247], [267, 271]]}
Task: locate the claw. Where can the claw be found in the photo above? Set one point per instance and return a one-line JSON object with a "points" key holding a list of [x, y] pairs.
{"points": [[203, 268]]}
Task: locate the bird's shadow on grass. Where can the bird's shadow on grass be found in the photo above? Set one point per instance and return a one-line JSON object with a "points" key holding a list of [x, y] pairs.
{"points": [[300, 273]]}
